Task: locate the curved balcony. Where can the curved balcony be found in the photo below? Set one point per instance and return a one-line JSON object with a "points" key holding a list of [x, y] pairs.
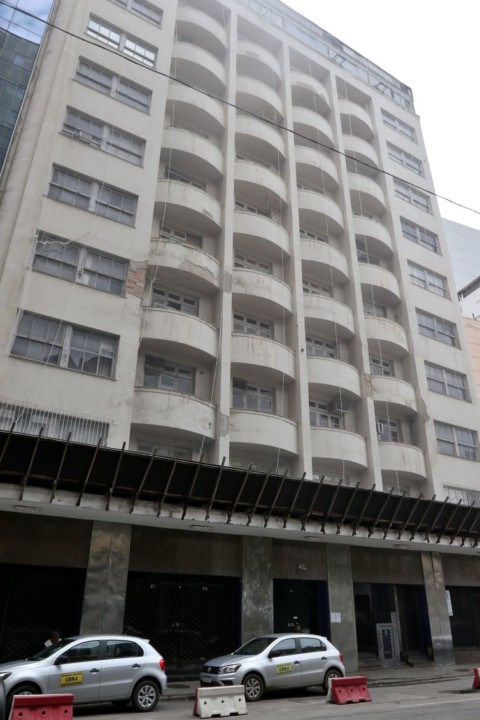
{"points": [[248, 350], [361, 150], [263, 430], [367, 194], [406, 461], [154, 409], [255, 229], [253, 95], [382, 284], [199, 67], [338, 449], [189, 265], [202, 29], [385, 336], [309, 161], [317, 210], [261, 292], [323, 261], [191, 107], [355, 119], [194, 338], [185, 149], [393, 394], [309, 92], [324, 314], [313, 126], [258, 62], [188, 204], [375, 234], [260, 138], [329, 374], [265, 181]]}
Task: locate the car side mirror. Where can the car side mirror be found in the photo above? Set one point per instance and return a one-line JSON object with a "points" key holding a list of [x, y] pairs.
{"points": [[62, 659], [274, 653]]}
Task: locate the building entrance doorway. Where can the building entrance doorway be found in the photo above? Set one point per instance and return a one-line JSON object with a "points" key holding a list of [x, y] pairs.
{"points": [[300, 601]]}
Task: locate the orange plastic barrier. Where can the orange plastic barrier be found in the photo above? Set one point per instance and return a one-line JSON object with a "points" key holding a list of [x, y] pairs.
{"points": [[42, 707], [349, 690], [476, 678]]}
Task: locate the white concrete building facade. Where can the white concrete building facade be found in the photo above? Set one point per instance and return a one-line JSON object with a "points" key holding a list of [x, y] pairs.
{"points": [[220, 241]]}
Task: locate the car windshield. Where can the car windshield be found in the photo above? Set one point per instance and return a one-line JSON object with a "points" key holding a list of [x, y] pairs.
{"points": [[255, 646], [46, 652]]}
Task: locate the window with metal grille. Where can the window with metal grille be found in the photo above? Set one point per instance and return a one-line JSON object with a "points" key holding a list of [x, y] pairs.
{"points": [[92, 195], [103, 136], [164, 298], [427, 279], [456, 441], [307, 235], [320, 347], [181, 236], [251, 263], [246, 396], [312, 287], [404, 158], [363, 254], [419, 235], [446, 382], [380, 366], [437, 328], [248, 207], [121, 41], [57, 343], [30, 420], [252, 326], [164, 375], [178, 176], [412, 195], [143, 8], [389, 430], [69, 261], [466, 495], [321, 416]]}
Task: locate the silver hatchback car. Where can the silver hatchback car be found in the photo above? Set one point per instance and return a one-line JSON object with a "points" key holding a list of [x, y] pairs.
{"points": [[276, 661], [94, 668]]}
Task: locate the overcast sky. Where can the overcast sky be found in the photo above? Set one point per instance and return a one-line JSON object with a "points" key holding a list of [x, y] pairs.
{"points": [[433, 48]]}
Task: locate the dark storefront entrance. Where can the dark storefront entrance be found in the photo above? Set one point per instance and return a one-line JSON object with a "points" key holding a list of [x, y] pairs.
{"points": [[465, 617], [305, 601], [33, 602], [392, 622], [189, 619]]}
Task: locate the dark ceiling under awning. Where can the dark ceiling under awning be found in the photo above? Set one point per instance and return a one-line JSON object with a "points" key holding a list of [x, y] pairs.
{"points": [[59, 465]]}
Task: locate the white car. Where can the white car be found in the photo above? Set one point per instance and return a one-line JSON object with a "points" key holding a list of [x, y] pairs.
{"points": [[94, 668], [276, 661]]}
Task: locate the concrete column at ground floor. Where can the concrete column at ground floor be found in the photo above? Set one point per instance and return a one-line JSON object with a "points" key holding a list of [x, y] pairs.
{"points": [[342, 604], [441, 632], [257, 587], [106, 579]]}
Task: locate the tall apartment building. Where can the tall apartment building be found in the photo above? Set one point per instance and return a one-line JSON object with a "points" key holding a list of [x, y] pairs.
{"points": [[220, 241]]}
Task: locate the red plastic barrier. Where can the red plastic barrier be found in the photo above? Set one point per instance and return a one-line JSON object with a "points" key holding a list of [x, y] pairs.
{"points": [[476, 678], [349, 690], [42, 707]]}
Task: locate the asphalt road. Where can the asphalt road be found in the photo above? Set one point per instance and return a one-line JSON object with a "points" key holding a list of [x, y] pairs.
{"points": [[446, 700]]}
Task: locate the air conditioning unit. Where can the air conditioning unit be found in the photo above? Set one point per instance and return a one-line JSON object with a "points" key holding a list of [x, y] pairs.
{"points": [[337, 405], [84, 136]]}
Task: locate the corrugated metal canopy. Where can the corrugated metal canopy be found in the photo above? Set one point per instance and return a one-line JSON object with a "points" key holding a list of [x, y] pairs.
{"points": [[59, 465]]}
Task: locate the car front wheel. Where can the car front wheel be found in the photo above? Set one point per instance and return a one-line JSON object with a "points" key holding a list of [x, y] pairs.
{"points": [[332, 673], [254, 687], [145, 696], [24, 689]]}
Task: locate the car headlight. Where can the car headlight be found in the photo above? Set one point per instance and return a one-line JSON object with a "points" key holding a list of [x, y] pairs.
{"points": [[228, 669], [4, 675]]}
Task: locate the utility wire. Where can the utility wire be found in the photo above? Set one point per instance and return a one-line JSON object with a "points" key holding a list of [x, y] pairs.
{"points": [[274, 124]]}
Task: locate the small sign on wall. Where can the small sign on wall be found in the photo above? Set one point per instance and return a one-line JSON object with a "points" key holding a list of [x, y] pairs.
{"points": [[335, 617]]}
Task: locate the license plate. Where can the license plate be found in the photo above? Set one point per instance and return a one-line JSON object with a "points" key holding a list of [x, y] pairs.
{"points": [[207, 680]]}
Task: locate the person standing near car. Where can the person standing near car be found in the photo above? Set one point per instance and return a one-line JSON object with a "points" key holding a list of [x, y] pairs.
{"points": [[54, 639]]}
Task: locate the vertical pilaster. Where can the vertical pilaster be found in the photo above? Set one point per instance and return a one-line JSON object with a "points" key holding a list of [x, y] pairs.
{"points": [[440, 629], [257, 587], [106, 582], [343, 633]]}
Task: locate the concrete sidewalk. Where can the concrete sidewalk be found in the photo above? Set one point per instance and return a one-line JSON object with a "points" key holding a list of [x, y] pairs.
{"points": [[376, 677]]}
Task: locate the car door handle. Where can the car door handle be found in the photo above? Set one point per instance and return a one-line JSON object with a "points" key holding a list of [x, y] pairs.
{"points": [[95, 670], [136, 665], [296, 662]]}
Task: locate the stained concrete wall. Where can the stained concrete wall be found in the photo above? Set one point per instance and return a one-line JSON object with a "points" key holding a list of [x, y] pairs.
{"points": [[257, 587], [342, 603], [440, 629]]}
